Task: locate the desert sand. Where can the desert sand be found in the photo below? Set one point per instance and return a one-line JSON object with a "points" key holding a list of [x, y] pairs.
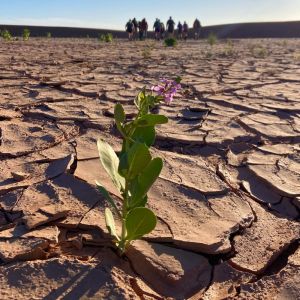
{"points": [[228, 199]]}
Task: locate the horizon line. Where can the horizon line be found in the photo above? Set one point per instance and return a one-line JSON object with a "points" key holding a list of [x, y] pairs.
{"points": [[103, 28]]}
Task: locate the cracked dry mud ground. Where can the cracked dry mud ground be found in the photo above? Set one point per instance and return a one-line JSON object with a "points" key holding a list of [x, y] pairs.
{"points": [[228, 199]]}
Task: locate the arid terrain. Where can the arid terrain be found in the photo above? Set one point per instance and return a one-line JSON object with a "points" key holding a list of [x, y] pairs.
{"points": [[227, 201]]}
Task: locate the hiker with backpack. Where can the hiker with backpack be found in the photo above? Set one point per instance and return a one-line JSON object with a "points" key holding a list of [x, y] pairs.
{"points": [[162, 30], [197, 29], [185, 30], [170, 27], [179, 30], [135, 28], [143, 26], [157, 29], [129, 29]]}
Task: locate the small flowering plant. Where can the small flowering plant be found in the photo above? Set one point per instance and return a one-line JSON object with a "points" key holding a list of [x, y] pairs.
{"points": [[133, 171], [167, 89]]}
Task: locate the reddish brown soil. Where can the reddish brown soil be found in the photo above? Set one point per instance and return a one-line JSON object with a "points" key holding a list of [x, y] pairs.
{"points": [[228, 199]]}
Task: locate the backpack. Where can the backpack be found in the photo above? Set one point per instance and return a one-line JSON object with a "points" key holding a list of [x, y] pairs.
{"points": [[197, 24], [129, 26], [157, 25]]}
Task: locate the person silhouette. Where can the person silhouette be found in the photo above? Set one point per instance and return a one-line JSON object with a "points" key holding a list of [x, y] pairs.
{"points": [[197, 29], [143, 29], [170, 27], [157, 29], [185, 30], [135, 27], [129, 29], [162, 30], [179, 30]]}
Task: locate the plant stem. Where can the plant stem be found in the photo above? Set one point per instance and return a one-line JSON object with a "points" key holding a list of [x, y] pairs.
{"points": [[122, 243]]}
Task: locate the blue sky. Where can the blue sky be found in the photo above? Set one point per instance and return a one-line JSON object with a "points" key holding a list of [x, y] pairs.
{"points": [[113, 14]]}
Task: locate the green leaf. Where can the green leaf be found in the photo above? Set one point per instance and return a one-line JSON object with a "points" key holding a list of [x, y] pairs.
{"points": [[144, 135], [139, 222], [138, 158], [128, 128], [107, 196], [119, 113], [134, 161], [141, 203], [123, 164], [151, 120], [110, 223], [110, 162], [178, 79], [145, 180], [142, 102], [120, 128], [120, 118], [140, 98]]}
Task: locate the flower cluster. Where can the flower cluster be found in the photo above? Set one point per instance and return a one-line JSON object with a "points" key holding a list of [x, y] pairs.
{"points": [[167, 89]]}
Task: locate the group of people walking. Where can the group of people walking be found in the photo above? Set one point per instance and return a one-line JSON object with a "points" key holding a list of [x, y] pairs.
{"points": [[139, 30]]}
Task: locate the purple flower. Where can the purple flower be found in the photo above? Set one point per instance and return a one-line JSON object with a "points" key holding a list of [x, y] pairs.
{"points": [[168, 90], [158, 89]]}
